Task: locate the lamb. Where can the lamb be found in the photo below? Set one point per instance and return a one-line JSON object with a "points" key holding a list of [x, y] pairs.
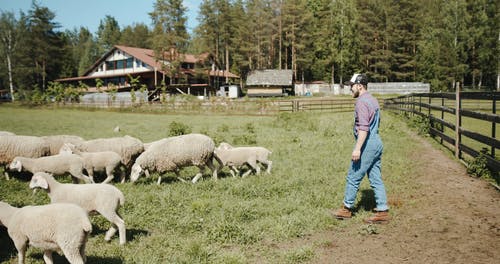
{"points": [[105, 199], [106, 161], [57, 164], [24, 146], [174, 153], [49, 227], [57, 141], [127, 147], [238, 156]]}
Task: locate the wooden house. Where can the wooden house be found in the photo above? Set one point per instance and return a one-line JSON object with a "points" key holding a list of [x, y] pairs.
{"points": [[192, 74], [270, 83]]}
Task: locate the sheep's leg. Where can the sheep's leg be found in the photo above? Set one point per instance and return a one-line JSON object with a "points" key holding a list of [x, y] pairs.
{"points": [[179, 176], [253, 165], [20, 245], [47, 257], [269, 165], [232, 172], [159, 180], [6, 174], [117, 222], [73, 255], [82, 250], [199, 174], [246, 173], [210, 165], [122, 175], [233, 168], [91, 175], [109, 175], [81, 176]]}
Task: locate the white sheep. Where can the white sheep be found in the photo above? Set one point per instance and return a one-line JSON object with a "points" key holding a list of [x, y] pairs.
{"points": [[57, 164], [51, 227], [57, 141], [106, 161], [235, 157], [6, 133], [105, 199], [174, 153], [127, 147], [24, 146]]}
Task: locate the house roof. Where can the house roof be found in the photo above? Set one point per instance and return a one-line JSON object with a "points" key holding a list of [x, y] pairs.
{"points": [[270, 78], [148, 57]]}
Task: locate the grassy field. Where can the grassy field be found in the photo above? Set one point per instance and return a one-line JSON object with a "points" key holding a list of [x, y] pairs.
{"points": [[232, 220]]}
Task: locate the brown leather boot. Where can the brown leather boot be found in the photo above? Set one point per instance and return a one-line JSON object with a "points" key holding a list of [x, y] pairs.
{"points": [[379, 217], [343, 213]]}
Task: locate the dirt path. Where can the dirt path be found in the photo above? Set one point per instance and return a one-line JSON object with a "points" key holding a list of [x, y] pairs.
{"points": [[451, 218]]}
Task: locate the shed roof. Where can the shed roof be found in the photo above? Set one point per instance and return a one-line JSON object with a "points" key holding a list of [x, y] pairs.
{"points": [[270, 78]]}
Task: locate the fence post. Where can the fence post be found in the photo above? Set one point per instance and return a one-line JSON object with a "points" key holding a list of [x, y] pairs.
{"points": [[493, 126], [429, 112], [457, 121], [442, 118]]}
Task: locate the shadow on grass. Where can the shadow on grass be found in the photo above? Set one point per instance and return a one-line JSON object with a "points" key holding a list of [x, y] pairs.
{"points": [[90, 259], [367, 201], [131, 233], [7, 249]]}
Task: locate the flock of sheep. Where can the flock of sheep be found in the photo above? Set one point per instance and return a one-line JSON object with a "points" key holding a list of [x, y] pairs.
{"points": [[64, 224]]}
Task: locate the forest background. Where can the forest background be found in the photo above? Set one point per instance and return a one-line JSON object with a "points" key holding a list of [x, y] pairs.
{"points": [[432, 41]]}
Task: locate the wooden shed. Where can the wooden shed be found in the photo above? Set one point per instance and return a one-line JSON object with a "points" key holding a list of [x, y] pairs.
{"points": [[270, 83]]}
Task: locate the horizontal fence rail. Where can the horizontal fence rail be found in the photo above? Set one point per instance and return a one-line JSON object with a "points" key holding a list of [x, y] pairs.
{"points": [[477, 109], [316, 105], [251, 107]]}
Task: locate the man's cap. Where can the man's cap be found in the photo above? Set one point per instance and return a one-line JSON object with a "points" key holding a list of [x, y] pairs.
{"points": [[358, 78]]}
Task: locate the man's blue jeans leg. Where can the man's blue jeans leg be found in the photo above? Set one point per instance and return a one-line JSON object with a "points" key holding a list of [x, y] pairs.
{"points": [[370, 163]]}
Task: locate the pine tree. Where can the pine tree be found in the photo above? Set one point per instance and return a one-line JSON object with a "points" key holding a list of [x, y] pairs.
{"points": [[108, 34]]}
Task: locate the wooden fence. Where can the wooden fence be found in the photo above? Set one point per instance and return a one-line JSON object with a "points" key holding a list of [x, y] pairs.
{"points": [[235, 107], [316, 105], [446, 123]]}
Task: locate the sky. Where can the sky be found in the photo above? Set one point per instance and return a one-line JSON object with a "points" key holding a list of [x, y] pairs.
{"points": [[72, 14]]}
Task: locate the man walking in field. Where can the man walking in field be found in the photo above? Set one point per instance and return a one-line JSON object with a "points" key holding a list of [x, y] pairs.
{"points": [[367, 153]]}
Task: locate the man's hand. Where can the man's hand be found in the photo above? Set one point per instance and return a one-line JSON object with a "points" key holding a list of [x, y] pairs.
{"points": [[356, 155]]}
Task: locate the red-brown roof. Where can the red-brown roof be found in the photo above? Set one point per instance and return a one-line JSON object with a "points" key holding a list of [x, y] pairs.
{"points": [[147, 56]]}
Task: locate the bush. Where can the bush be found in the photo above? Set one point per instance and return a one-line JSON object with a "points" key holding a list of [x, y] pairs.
{"points": [[178, 128], [478, 167]]}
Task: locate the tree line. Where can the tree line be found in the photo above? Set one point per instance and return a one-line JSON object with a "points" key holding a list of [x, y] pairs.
{"points": [[439, 42]]}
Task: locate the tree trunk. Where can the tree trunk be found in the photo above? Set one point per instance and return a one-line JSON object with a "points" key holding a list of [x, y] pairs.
{"points": [[11, 85], [227, 63]]}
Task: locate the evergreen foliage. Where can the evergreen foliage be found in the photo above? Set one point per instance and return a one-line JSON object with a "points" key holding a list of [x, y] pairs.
{"points": [[439, 42]]}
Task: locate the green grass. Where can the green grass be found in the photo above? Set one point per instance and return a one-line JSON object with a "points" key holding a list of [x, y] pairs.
{"points": [[232, 220]]}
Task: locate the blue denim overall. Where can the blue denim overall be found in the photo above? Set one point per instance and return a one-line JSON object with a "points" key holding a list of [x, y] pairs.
{"points": [[369, 163]]}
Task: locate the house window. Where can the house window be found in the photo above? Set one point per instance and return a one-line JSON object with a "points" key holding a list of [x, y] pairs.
{"points": [[110, 65], [119, 64], [130, 63]]}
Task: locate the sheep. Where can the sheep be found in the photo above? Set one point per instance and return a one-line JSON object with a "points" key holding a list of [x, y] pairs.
{"points": [[237, 156], [25, 146], [174, 153], [105, 199], [127, 147], [57, 164], [106, 161], [51, 227], [56, 141], [6, 133]]}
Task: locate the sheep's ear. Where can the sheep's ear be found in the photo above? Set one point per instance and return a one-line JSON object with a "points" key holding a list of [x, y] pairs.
{"points": [[38, 181]]}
